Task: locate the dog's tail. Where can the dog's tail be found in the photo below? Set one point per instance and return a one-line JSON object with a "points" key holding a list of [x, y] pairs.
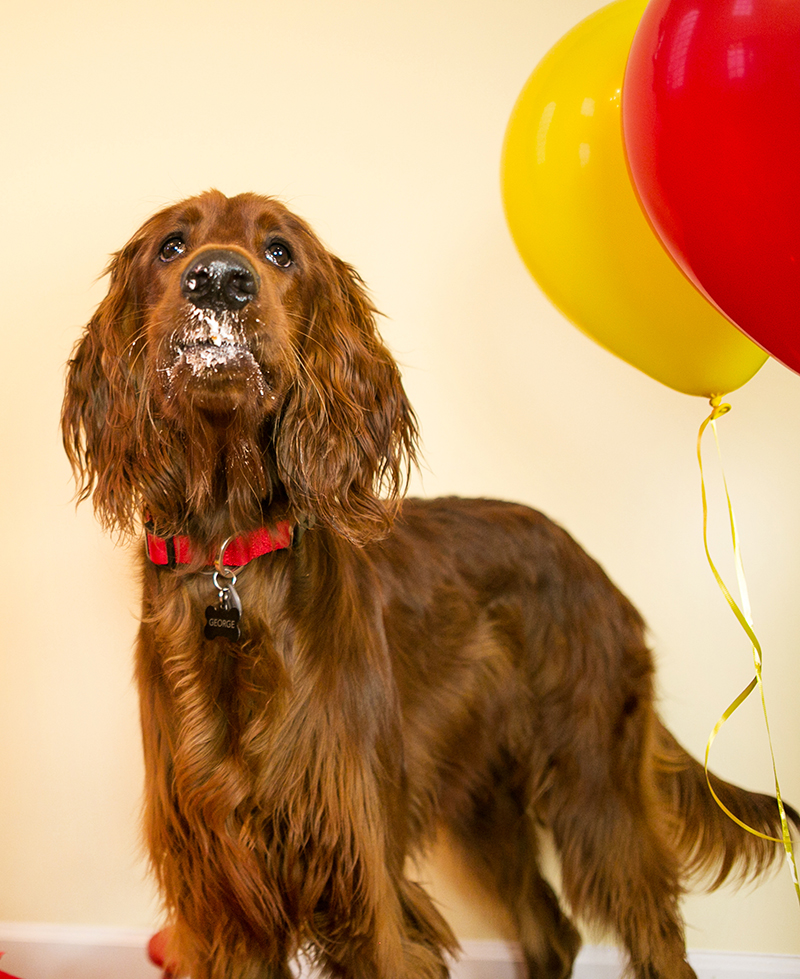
{"points": [[712, 846]]}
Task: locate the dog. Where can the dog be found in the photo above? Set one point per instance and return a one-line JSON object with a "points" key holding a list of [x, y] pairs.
{"points": [[330, 673]]}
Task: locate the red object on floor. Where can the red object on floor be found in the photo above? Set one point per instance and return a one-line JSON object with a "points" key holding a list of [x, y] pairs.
{"points": [[6, 975], [157, 950]]}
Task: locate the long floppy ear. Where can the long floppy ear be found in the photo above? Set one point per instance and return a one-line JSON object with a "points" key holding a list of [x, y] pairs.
{"points": [[100, 403], [347, 436]]}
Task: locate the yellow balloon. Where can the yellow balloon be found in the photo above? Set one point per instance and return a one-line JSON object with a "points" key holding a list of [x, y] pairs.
{"points": [[576, 221]]}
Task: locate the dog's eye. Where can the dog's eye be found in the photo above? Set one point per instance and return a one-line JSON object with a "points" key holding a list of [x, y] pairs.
{"points": [[172, 248], [279, 254]]}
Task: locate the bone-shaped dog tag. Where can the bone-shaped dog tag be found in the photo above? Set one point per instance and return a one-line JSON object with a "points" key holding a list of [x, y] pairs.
{"points": [[222, 620]]}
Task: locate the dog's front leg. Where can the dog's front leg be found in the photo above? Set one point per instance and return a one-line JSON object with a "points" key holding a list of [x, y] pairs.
{"points": [[347, 817]]}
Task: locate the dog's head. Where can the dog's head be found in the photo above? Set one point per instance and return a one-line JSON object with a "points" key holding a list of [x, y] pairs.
{"points": [[234, 366]]}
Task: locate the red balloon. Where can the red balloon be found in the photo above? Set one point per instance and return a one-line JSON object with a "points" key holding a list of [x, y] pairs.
{"points": [[711, 125]]}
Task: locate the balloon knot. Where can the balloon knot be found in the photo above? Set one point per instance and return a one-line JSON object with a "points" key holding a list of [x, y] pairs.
{"points": [[719, 408]]}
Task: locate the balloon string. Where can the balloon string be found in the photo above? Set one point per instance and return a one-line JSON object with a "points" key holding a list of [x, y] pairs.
{"points": [[744, 618]]}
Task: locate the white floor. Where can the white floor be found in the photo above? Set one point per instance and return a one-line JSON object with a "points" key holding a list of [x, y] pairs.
{"points": [[65, 952]]}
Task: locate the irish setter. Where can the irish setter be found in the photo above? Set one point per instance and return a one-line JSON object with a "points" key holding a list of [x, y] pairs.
{"points": [[327, 674]]}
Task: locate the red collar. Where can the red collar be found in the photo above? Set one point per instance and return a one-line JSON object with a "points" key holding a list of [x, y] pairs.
{"points": [[170, 551]]}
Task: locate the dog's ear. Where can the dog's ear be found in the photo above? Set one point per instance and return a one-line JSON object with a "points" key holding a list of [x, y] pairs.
{"points": [[100, 404], [347, 436]]}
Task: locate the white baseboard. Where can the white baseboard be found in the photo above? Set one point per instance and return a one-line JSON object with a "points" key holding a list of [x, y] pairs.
{"points": [[500, 960], [35, 951]]}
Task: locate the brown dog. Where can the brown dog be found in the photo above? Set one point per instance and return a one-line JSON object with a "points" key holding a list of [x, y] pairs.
{"points": [[374, 669]]}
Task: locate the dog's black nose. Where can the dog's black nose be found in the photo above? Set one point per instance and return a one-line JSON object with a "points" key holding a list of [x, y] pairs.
{"points": [[219, 279]]}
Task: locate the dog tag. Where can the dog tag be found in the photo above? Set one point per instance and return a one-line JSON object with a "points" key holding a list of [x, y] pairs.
{"points": [[222, 623], [222, 620]]}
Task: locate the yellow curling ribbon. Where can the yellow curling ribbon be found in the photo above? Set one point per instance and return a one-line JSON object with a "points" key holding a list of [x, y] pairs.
{"points": [[745, 620]]}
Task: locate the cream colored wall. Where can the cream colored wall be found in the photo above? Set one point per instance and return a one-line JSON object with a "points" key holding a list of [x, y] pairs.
{"points": [[381, 122]]}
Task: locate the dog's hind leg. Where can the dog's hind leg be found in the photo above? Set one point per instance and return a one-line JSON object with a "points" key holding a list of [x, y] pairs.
{"points": [[500, 843], [619, 866]]}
